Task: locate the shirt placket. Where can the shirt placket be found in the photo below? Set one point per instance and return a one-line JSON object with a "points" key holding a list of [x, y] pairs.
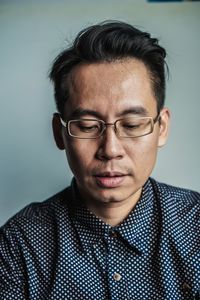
{"points": [[116, 268]]}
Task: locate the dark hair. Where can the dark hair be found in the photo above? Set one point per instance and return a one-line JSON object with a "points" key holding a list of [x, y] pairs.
{"points": [[108, 42]]}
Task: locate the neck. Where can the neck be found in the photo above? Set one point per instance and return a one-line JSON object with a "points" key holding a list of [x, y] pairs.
{"points": [[114, 213]]}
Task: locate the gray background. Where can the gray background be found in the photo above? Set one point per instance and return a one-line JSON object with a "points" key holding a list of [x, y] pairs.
{"points": [[32, 33]]}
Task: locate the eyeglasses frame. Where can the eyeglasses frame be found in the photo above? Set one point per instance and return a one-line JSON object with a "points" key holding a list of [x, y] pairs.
{"points": [[66, 124]]}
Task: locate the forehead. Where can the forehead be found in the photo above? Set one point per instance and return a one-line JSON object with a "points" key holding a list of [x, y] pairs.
{"points": [[110, 87]]}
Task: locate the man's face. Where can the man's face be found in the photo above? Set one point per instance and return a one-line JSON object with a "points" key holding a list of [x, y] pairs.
{"points": [[111, 169]]}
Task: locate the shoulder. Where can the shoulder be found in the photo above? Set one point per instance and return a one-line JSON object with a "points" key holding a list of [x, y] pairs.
{"points": [[179, 210], [178, 206], [31, 235], [40, 213], [180, 196]]}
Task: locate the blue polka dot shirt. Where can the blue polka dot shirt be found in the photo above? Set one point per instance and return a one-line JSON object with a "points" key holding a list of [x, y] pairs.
{"points": [[58, 249]]}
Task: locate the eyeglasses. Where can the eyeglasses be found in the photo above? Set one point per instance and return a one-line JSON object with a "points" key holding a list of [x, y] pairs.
{"points": [[131, 127]]}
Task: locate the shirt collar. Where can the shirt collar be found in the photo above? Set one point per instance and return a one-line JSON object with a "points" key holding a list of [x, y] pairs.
{"points": [[89, 227], [137, 230]]}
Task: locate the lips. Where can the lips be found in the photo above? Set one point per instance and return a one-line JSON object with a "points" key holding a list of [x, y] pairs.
{"points": [[110, 179]]}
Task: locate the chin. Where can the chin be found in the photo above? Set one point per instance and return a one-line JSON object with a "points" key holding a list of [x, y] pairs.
{"points": [[111, 196], [101, 194]]}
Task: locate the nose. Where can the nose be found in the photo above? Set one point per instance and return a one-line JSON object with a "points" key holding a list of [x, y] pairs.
{"points": [[110, 145]]}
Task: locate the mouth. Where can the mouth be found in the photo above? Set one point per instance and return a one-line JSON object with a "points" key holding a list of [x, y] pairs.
{"points": [[110, 179]]}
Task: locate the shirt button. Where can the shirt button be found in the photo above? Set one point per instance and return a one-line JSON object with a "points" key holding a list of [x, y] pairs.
{"points": [[186, 287], [117, 277], [113, 234]]}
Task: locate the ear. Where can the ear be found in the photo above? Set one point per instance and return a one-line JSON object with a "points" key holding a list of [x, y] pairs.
{"points": [[57, 131], [164, 122]]}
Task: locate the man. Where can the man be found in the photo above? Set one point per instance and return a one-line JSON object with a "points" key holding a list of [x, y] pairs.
{"points": [[115, 233]]}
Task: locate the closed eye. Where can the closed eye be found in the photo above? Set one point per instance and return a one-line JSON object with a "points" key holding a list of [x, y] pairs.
{"points": [[131, 126], [88, 128]]}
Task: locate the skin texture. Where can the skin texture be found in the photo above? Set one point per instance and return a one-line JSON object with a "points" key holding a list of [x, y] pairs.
{"points": [[109, 90]]}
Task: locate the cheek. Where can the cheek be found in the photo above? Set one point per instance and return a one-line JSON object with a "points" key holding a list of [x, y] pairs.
{"points": [[148, 156], [143, 153], [79, 155]]}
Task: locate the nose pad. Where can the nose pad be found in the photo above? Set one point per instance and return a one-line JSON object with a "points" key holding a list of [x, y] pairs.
{"points": [[106, 127]]}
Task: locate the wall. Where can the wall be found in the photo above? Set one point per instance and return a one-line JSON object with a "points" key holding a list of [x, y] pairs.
{"points": [[31, 34]]}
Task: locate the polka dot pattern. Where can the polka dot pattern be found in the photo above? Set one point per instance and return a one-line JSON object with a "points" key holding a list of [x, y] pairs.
{"points": [[59, 250]]}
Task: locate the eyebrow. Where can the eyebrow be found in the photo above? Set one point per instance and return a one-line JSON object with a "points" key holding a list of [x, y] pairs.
{"points": [[81, 112], [136, 110]]}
